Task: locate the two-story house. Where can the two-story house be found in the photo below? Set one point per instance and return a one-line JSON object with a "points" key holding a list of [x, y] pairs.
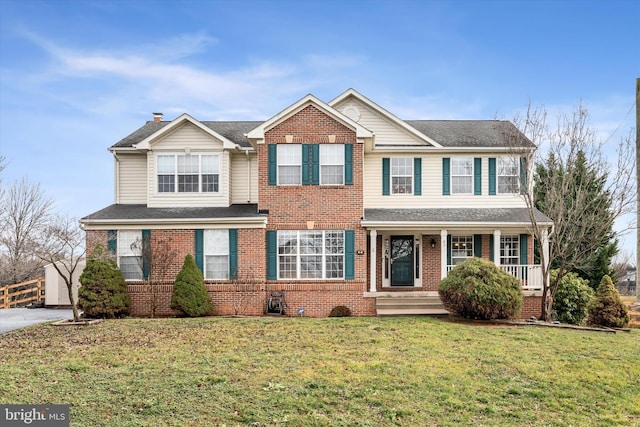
{"points": [[338, 203]]}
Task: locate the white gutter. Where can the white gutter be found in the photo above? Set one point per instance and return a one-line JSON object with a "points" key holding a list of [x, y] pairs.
{"points": [[444, 224]]}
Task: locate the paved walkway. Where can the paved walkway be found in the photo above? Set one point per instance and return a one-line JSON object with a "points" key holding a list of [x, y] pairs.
{"points": [[17, 318]]}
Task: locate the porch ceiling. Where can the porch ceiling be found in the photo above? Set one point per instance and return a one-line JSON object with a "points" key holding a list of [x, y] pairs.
{"points": [[448, 217]]}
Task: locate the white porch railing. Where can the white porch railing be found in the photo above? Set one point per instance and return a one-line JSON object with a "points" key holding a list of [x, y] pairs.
{"points": [[530, 276]]}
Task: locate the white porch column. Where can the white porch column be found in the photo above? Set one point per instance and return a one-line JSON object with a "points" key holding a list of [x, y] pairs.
{"points": [[372, 260], [496, 246], [443, 254]]}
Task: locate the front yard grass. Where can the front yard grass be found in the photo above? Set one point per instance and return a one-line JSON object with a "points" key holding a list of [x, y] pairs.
{"points": [[406, 371]]}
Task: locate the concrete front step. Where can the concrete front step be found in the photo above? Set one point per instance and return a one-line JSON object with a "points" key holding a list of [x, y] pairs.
{"points": [[398, 305]]}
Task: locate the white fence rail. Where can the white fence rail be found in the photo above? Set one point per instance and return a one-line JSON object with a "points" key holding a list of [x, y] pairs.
{"points": [[530, 276]]}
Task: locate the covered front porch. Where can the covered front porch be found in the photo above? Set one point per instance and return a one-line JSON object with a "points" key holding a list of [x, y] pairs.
{"points": [[410, 251]]}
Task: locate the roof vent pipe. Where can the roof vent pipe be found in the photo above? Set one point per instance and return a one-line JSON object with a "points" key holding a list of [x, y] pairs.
{"points": [[157, 117]]}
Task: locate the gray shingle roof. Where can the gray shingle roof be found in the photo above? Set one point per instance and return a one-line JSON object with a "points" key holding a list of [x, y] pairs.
{"points": [[472, 133], [469, 215], [142, 212], [448, 133], [233, 131]]}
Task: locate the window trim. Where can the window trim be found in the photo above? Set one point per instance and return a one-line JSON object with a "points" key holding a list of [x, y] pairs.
{"points": [[296, 253], [129, 252], [341, 152], [516, 256], [206, 253], [465, 240], [279, 163], [200, 174], [470, 176], [516, 165], [410, 175]]}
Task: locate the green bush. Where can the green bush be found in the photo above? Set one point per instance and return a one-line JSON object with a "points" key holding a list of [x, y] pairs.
{"points": [[190, 297], [103, 293], [478, 289], [571, 298], [607, 309], [340, 311]]}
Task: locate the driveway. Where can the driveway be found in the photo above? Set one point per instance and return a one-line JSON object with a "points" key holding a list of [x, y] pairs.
{"points": [[17, 318]]}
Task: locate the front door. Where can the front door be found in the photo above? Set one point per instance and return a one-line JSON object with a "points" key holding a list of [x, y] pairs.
{"points": [[401, 260]]}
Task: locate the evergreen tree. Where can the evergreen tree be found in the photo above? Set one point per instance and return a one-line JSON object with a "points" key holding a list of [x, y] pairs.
{"points": [[583, 186], [607, 309], [190, 296], [103, 291]]}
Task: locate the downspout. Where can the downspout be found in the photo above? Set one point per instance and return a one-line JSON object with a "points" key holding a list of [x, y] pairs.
{"points": [[116, 180], [246, 152]]}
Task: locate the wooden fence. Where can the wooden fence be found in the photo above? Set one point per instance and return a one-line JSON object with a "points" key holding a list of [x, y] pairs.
{"points": [[21, 293]]}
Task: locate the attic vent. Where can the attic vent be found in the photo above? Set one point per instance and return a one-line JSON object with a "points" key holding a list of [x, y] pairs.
{"points": [[352, 112]]}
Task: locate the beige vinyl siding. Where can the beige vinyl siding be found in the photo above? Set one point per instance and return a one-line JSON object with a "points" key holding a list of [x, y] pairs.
{"points": [[195, 141], [244, 178], [186, 136], [131, 178], [386, 132], [431, 186]]}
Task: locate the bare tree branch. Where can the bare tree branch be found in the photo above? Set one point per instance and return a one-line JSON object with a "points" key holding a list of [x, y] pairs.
{"points": [[63, 247], [25, 212]]}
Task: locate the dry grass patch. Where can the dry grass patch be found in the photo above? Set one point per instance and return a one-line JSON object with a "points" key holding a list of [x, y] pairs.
{"points": [[404, 371]]}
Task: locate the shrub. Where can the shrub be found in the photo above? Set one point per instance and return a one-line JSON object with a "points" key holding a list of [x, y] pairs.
{"points": [[340, 311], [478, 289], [571, 298], [607, 309], [190, 297], [103, 293]]}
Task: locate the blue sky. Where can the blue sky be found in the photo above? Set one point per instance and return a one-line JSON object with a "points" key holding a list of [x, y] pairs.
{"points": [[77, 76]]}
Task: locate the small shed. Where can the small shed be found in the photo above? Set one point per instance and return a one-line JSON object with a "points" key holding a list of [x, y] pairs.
{"points": [[56, 294]]}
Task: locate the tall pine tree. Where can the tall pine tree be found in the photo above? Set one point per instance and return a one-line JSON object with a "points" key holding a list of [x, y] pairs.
{"points": [[587, 247]]}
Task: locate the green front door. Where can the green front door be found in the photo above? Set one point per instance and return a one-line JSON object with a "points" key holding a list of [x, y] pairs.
{"points": [[401, 260]]}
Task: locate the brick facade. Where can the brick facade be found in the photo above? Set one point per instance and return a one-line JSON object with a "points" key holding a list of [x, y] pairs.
{"points": [[294, 207]]}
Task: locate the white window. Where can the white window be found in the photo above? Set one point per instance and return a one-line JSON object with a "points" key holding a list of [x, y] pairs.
{"points": [[130, 254], [461, 249], [216, 254], [508, 175], [311, 254], [510, 250], [289, 164], [461, 175], [331, 164], [402, 175], [193, 173]]}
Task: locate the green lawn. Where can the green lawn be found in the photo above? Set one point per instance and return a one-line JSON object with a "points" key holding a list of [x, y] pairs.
{"points": [[408, 371]]}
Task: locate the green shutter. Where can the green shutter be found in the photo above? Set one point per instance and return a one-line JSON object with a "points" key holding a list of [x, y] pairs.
{"points": [[233, 253], [272, 254], [112, 241], [524, 249], [491, 248], [446, 176], [448, 249], [315, 164], [348, 164], [523, 175], [146, 253], [477, 176], [272, 164], [306, 164], [492, 176], [386, 176], [417, 176], [199, 249], [477, 245], [349, 254]]}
